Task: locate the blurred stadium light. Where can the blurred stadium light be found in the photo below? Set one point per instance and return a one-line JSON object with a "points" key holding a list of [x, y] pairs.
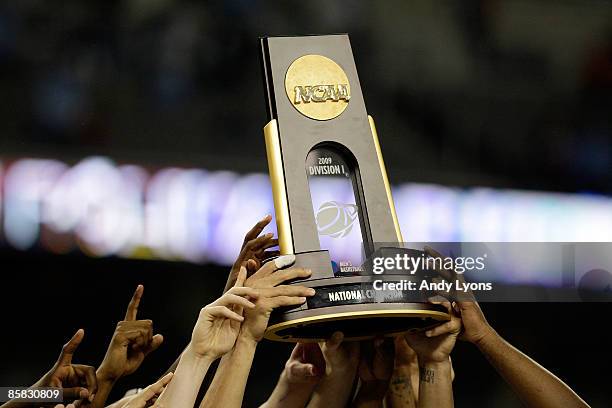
{"points": [[104, 208]]}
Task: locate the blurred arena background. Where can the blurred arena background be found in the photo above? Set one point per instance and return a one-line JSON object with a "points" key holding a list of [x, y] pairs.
{"points": [[131, 150]]}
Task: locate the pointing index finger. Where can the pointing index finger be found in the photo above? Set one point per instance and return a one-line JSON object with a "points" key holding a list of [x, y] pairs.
{"points": [[132, 309], [70, 347]]}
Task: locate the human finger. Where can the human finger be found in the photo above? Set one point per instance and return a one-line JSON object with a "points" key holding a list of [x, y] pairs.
{"points": [[297, 369], [266, 244], [257, 228], [244, 291], [156, 388], [256, 244], [284, 275], [270, 254], [281, 262], [231, 299], [280, 301], [452, 326], [242, 275], [334, 341], [222, 311], [132, 309], [156, 341], [70, 347], [287, 290]]}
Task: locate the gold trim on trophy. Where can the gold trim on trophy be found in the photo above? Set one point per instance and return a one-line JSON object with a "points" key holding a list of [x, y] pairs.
{"points": [[279, 192], [273, 329], [383, 170]]}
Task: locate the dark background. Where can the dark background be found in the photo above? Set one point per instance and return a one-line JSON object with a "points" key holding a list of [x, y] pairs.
{"points": [[509, 94]]}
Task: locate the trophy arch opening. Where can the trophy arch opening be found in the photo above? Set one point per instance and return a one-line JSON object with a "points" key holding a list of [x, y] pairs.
{"points": [[338, 206]]}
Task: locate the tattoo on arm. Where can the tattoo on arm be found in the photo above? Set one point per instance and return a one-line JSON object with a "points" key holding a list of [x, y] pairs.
{"points": [[427, 375]]}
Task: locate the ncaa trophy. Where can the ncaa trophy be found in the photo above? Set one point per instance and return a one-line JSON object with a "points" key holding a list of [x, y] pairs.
{"points": [[332, 198]]}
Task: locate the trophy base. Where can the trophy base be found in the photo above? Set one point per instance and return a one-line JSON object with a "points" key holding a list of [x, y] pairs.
{"points": [[357, 322]]}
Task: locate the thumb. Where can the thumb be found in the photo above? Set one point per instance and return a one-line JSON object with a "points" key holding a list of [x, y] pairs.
{"points": [[156, 341]]}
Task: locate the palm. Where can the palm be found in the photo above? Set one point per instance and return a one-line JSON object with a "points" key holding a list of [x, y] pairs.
{"points": [[134, 360], [123, 359], [128, 359], [64, 376], [215, 335]]}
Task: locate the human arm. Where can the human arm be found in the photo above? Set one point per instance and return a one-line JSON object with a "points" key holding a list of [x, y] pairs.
{"points": [[254, 250], [228, 385], [253, 253], [132, 341], [78, 382], [404, 384], [341, 361], [214, 335], [534, 385], [375, 371], [433, 350]]}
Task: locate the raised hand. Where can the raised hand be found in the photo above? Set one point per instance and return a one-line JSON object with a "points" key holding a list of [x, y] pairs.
{"points": [[376, 362], [219, 322], [256, 319], [341, 361], [274, 273], [303, 371], [404, 384], [475, 325], [306, 364], [227, 388], [253, 251], [435, 345], [78, 381], [132, 341]]}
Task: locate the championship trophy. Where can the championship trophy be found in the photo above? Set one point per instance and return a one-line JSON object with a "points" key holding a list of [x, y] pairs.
{"points": [[332, 198]]}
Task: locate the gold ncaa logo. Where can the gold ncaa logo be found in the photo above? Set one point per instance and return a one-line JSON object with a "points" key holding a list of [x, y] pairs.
{"points": [[317, 87]]}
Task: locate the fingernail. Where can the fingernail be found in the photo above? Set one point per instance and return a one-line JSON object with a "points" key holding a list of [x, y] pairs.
{"points": [[267, 217], [284, 261], [269, 235], [428, 333], [311, 291], [91, 397], [302, 299], [308, 271]]}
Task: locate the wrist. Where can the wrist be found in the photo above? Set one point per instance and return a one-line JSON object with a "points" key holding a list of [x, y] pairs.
{"points": [[190, 354], [435, 364], [105, 376], [489, 337], [245, 338]]}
